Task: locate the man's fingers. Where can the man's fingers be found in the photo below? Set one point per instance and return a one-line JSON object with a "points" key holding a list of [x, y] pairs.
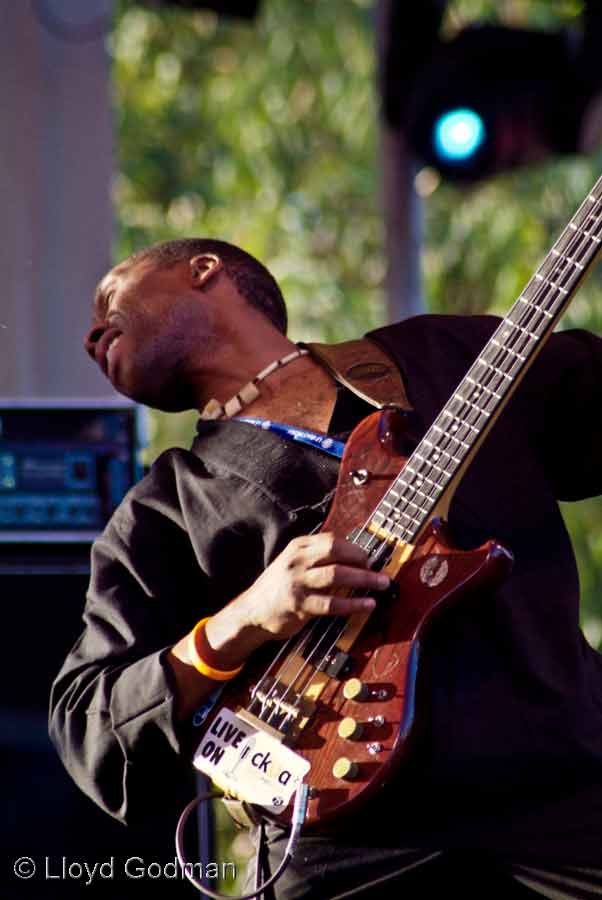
{"points": [[321, 549], [331, 577], [336, 605]]}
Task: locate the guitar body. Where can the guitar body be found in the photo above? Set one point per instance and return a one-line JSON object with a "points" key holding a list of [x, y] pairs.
{"points": [[375, 689]]}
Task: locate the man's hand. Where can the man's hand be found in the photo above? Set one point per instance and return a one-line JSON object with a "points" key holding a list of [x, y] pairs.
{"points": [[311, 577]]}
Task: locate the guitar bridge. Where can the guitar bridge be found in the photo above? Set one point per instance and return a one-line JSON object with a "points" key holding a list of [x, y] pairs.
{"points": [[280, 707]]}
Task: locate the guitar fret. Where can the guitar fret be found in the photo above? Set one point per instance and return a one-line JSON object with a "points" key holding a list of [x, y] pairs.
{"points": [[528, 303], [474, 396], [493, 376], [393, 528], [530, 334], [552, 284], [458, 415], [496, 369], [568, 259], [410, 519], [560, 271], [460, 441], [484, 388], [439, 450], [419, 479], [428, 497], [587, 234], [451, 430], [395, 506], [423, 476], [581, 248], [466, 401], [405, 515], [589, 214], [422, 479], [447, 412], [452, 437], [509, 350], [432, 464]]}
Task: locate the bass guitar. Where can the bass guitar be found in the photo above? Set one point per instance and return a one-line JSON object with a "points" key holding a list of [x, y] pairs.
{"points": [[337, 707]]}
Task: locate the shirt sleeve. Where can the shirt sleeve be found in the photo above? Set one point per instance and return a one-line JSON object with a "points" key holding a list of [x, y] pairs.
{"points": [[565, 411], [112, 704]]}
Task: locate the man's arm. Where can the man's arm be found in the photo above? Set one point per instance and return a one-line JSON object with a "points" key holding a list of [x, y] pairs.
{"points": [[121, 706], [301, 582], [111, 707]]}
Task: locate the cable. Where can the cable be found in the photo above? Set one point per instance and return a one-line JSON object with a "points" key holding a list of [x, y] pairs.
{"points": [[299, 813]]}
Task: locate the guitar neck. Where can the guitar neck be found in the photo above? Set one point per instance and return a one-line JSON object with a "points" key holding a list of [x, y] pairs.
{"points": [[433, 470]]}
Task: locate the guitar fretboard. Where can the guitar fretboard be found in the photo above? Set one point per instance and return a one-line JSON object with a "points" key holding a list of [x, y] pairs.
{"points": [[474, 406]]}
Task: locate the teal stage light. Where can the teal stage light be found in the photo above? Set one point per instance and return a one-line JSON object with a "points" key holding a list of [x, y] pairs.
{"points": [[458, 134]]}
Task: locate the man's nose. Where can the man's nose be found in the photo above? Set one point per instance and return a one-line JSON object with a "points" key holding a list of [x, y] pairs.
{"points": [[92, 338]]}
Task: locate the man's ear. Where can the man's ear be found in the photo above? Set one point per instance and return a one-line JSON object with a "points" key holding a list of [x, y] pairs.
{"points": [[203, 267]]}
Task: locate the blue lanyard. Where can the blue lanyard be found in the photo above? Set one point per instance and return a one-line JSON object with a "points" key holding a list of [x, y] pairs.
{"points": [[301, 435]]}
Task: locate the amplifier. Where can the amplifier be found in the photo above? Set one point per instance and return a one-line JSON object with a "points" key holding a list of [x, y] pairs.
{"points": [[64, 466]]}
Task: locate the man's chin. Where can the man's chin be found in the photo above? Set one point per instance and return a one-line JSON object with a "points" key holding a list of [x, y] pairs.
{"points": [[166, 406], [162, 401]]}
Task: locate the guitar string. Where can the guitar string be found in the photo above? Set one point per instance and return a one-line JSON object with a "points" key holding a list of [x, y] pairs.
{"points": [[468, 413], [546, 291], [531, 319], [273, 664], [326, 624], [563, 272], [315, 625], [306, 666], [559, 270], [524, 319], [311, 627]]}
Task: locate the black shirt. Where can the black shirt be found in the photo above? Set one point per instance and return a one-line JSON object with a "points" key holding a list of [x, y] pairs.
{"points": [[512, 758]]}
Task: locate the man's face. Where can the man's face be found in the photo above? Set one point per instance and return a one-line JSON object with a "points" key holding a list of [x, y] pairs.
{"points": [[147, 324]]}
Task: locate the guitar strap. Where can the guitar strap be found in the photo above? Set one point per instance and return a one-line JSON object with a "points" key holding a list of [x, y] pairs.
{"points": [[364, 368]]}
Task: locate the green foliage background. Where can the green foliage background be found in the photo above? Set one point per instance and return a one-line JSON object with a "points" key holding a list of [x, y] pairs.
{"points": [[267, 136]]}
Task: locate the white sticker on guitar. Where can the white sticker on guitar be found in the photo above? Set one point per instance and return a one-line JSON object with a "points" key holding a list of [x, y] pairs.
{"points": [[249, 763]]}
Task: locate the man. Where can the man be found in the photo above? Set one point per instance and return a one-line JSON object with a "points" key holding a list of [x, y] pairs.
{"points": [[504, 797]]}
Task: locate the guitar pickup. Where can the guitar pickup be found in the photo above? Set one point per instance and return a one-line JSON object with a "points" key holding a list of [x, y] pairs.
{"points": [[336, 665]]}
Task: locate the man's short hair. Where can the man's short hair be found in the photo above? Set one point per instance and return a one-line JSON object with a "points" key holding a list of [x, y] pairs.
{"points": [[251, 278]]}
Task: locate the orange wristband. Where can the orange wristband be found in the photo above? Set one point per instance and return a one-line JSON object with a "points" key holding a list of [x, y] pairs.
{"points": [[199, 663]]}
